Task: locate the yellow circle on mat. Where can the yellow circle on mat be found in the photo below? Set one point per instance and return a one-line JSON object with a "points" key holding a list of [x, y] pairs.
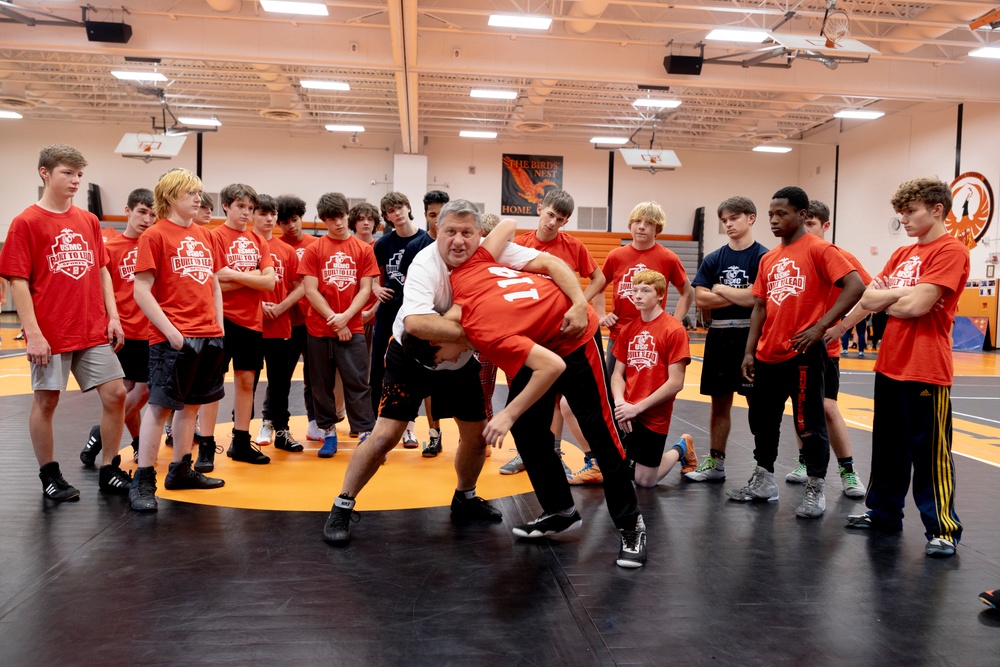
{"points": [[305, 482]]}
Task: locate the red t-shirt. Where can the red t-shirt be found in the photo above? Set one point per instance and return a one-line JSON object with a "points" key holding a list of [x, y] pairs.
{"points": [[567, 248], [109, 233], [182, 262], [242, 251], [795, 281], [339, 265], [833, 349], [286, 272], [918, 349], [60, 255], [647, 349], [622, 263], [122, 251], [506, 312], [298, 312]]}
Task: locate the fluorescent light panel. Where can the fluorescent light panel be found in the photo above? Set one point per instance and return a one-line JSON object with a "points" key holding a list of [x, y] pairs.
{"points": [[656, 104], [772, 149], [859, 114], [9, 114], [986, 52], [476, 134], [728, 35], [205, 122], [520, 21], [617, 141], [325, 85], [345, 128], [284, 7], [494, 94], [138, 76]]}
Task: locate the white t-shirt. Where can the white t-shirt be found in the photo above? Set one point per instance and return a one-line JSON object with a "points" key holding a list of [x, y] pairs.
{"points": [[427, 290]]}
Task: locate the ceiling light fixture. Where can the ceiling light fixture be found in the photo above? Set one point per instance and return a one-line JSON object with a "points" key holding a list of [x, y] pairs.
{"points": [[520, 21], [616, 141], [656, 104], [200, 122], [477, 134], [859, 114], [324, 85], [729, 35], [9, 114], [772, 149], [494, 94], [345, 128], [138, 76], [285, 7], [986, 52]]}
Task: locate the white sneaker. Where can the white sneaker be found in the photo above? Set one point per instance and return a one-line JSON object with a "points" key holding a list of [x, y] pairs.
{"points": [[266, 433], [314, 432], [410, 440]]}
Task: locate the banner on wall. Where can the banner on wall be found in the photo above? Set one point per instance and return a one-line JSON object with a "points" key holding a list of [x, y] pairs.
{"points": [[971, 208], [526, 179]]}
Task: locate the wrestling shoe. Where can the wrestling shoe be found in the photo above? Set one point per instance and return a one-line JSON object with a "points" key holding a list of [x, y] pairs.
{"points": [[92, 448], [337, 530], [329, 447], [798, 475], [266, 433], [284, 440], [433, 447], [409, 440], [549, 524], [54, 486], [473, 509], [112, 479], [710, 469], [633, 550], [512, 467], [181, 475], [853, 486], [689, 462], [814, 503], [760, 487], [590, 473]]}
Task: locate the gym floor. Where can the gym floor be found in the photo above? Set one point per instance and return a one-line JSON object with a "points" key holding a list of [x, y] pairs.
{"points": [[242, 576]]}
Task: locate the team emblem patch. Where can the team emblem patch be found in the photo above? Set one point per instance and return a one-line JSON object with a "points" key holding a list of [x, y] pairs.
{"points": [[126, 270], [625, 286], [193, 261], [243, 255], [906, 274], [734, 276], [70, 255], [279, 269], [340, 270], [642, 351], [785, 280]]}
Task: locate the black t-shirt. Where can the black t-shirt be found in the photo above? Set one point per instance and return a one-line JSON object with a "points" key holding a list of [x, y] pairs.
{"points": [[733, 268], [389, 252]]}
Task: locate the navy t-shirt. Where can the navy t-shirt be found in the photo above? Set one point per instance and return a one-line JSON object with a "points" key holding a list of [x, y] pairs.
{"points": [[733, 268], [389, 252]]}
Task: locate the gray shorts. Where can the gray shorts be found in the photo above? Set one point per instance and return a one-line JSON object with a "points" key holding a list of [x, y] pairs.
{"points": [[91, 368]]}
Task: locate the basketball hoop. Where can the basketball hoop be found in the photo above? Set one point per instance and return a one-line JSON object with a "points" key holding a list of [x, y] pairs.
{"points": [[836, 26]]}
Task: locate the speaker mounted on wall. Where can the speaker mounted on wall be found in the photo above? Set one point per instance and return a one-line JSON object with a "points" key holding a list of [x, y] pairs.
{"points": [[103, 31], [688, 65]]}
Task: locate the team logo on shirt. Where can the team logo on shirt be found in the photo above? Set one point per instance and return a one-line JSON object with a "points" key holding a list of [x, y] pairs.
{"points": [[906, 274], [243, 255], [734, 276], [71, 255], [625, 286], [279, 269], [642, 351], [193, 261], [299, 251], [126, 270], [340, 270], [785, 280], [392, 267]]}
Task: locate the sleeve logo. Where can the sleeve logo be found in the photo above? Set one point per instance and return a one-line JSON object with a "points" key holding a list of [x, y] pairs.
{"points": [[70, 255]]}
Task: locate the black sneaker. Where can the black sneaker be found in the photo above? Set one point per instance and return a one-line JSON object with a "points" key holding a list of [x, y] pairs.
{"points": [[142, 495], [991, 598], [92, 448], [433, 447], [633, 551], [54, 486], [549, 524], [337, 530], [207, 449], [868, 522], [112, 479], [284, 440], [245, 451], [135, 449], [181, 476], [474, 509]]}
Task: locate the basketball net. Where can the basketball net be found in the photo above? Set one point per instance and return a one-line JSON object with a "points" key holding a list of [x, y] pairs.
{"points": [[836, 26]]}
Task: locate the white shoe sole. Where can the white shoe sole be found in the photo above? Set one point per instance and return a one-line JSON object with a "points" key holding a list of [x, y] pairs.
{"points": [[535, 534]]}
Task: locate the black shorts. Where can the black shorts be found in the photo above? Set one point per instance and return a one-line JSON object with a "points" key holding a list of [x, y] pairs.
{"points": [[643, 446], [832, 378], [134, 358], [456, 394], [721, 372], [192, 375], [244, 347]]}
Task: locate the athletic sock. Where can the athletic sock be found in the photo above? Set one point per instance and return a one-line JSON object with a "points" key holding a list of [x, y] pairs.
{"points": [[717, 455], [434, 432], [847, 463], [465, 495], [681, 447], [802, 458]]}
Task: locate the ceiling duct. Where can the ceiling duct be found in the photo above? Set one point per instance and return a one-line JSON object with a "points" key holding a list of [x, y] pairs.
{"points": [[583, 14], [12, 96], [532, 120], [281, 108]]}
